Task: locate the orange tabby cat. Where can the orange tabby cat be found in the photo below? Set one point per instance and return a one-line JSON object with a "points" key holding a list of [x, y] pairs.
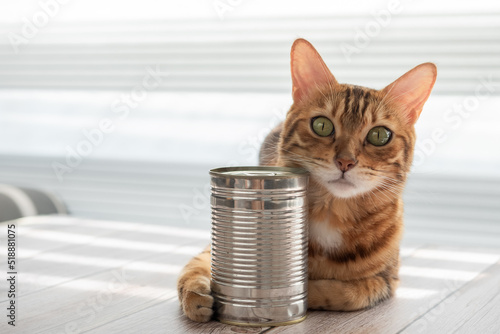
{"points": [[357, 143]]}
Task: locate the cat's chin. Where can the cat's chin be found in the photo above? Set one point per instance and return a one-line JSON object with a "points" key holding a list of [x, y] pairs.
{"points": [[342, 188]]}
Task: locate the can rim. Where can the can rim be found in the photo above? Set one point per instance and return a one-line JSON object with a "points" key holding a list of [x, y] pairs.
{"points": [[262, 324], [292, 172]]}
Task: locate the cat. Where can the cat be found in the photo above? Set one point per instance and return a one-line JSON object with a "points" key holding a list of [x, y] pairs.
{"points": [[357, 143]]}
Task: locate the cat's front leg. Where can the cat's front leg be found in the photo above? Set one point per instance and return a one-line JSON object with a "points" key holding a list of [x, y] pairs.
{"points": [[193, 288], [352, 295]]}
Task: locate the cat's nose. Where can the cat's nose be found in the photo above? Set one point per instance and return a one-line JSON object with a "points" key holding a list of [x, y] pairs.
{"points": [[345, 164]]}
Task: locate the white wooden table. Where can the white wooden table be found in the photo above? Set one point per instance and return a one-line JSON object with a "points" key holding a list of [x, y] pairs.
{"points": [[89, 276]]}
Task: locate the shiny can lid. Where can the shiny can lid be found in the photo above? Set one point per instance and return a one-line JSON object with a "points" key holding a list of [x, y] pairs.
{"points": [[259, 172], [254, 178]]}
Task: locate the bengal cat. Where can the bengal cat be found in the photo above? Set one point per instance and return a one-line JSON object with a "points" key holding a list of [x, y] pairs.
{"points": [[357, 143]]}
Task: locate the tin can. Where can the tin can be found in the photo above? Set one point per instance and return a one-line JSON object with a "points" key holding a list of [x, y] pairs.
{"points": [[259, 245]]}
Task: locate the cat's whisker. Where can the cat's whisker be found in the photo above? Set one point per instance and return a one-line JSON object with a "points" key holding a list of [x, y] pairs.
{"points": [[401, 173], [397, 187], [391, 190], [396, 190], [401, 177], [391, 186], [396, 181], [393, 182], [388, 180], [370, 197], [383, 193], [305, 158]]}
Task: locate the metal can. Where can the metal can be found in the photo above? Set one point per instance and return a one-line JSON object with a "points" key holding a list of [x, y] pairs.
{"points": [[259, 245]]}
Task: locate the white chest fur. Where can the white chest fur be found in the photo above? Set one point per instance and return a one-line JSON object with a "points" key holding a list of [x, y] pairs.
{"points": [[329, 238]]}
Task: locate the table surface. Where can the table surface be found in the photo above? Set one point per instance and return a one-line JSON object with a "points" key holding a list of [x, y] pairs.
{"points": [[89, 276]]}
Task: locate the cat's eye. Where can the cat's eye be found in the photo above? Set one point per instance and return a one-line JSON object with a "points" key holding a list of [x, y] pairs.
{"points": [[322, 126], [379, 136]]}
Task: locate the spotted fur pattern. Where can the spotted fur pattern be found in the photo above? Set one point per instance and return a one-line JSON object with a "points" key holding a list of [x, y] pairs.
{"points": [[355, 215]]}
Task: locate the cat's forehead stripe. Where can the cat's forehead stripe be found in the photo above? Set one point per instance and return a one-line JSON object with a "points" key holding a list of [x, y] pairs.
{"points": [[354, 107], [347, 98], [357, 98], [366, 102]]}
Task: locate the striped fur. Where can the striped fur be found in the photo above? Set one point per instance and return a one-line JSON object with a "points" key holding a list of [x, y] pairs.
{"points": [[193, 288], [363, 269], [356, 266]]}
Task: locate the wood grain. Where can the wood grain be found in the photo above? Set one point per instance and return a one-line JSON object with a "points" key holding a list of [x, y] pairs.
{"points": [[167, 317], [474, 308], [87, 276], [425, 282]]}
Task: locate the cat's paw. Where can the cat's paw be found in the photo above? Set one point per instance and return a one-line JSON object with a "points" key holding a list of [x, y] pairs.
{"points": [[196, 299]]}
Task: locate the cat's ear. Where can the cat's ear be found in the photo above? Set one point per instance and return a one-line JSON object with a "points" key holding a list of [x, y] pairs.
{"points": [[308, 69], [411, 90]]}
